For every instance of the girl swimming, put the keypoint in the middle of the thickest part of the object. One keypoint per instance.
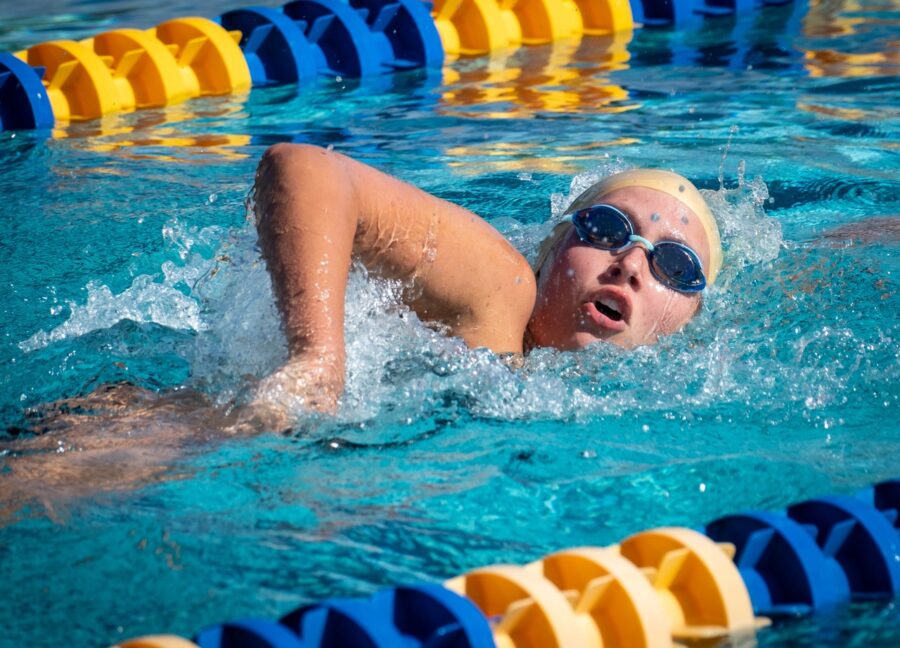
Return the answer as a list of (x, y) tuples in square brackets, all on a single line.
[(627, 265)]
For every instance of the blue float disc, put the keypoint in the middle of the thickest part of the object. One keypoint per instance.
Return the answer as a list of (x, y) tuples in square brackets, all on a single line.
[(860, 538), (24, 103), (275, 46), (784, 569)]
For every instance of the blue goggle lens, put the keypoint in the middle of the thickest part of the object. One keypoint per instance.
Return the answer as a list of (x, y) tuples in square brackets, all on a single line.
[(603, 226), (677, 266)]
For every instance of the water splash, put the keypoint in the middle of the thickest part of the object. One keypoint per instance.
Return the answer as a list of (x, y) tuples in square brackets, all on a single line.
[(163, 299), (145, 300)]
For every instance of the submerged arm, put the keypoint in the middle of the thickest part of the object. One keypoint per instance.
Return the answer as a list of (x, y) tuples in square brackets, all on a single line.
[(317, 209)]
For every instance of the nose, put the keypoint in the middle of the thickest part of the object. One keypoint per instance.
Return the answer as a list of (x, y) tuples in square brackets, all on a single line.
[(628, 266)]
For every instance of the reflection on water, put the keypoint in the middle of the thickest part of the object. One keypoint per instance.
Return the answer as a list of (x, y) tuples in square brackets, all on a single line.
[(831, 63), (560, 78), (833, 19), (151, 133), (528, 157)]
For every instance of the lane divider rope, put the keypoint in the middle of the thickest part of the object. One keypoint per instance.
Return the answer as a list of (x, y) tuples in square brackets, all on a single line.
[(662, 587), (128, 69)]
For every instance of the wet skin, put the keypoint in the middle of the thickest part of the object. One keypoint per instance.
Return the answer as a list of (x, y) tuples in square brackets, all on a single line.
[(567, 314)]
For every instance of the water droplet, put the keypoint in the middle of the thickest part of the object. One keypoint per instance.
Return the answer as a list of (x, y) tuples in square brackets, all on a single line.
[(702, 487), (645, 428)]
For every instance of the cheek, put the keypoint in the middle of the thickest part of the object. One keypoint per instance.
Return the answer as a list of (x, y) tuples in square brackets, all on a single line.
[(580, 266), (671, 310), (560, 279)]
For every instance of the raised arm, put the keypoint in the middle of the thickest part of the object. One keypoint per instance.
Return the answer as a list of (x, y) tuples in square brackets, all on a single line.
[(316, 209)]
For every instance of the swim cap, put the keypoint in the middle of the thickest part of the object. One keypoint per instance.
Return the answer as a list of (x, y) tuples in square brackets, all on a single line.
[(679, 187)]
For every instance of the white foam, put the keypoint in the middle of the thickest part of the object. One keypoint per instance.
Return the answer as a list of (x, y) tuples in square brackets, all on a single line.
[(144, 301), (163, 299)]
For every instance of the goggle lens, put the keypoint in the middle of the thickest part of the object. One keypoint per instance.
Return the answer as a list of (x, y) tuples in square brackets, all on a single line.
[(603, 226), (677, 266)]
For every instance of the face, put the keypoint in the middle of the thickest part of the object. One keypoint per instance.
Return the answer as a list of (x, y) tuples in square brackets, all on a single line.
[(585, 294)]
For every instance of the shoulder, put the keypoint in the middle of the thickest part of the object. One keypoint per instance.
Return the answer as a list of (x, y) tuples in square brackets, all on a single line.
[(506, 295)]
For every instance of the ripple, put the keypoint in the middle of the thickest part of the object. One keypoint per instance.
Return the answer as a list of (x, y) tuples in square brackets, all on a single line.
[(794, 193), (859, 87)]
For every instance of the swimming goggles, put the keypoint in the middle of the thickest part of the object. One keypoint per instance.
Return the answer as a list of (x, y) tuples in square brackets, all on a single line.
[(674, 264)]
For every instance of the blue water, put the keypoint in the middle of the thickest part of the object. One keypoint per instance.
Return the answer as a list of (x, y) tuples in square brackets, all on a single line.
[(127, 257)]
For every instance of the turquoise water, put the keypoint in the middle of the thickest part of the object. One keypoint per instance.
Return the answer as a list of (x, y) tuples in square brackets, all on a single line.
[(127, 257)]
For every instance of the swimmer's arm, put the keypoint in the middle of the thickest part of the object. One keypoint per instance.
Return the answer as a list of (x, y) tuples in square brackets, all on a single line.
[(318, 208)]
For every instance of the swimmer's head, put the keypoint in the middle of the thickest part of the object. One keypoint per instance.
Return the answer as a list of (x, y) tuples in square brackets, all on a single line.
[(586, 294)]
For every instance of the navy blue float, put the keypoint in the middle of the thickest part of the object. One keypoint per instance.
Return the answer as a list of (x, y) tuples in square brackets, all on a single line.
[(23, 100), (342, 36), (785, 572), (275, 46), (368, 36), (426, 616), (249, 633), (886, 498), (408, 30), (860, 537)]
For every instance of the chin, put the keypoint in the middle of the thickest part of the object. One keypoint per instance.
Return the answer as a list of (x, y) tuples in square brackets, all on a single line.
[(581, 340), (614, 339)]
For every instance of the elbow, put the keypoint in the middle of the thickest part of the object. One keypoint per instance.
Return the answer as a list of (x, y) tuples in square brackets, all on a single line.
[(284, 166), (289, 154), (289, 177)]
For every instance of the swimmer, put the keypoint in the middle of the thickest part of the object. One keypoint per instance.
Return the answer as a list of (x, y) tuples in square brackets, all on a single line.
[(627, 265)]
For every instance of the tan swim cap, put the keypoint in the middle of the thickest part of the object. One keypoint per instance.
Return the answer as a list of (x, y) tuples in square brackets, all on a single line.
[(673, 184)]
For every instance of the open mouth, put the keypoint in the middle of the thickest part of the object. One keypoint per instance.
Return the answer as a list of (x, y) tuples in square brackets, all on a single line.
[(610, 308)]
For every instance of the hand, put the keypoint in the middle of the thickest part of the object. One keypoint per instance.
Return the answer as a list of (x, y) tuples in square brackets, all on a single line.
[(302, 384)]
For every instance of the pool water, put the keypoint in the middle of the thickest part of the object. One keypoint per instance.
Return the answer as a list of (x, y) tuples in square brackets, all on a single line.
[(128, 258)]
